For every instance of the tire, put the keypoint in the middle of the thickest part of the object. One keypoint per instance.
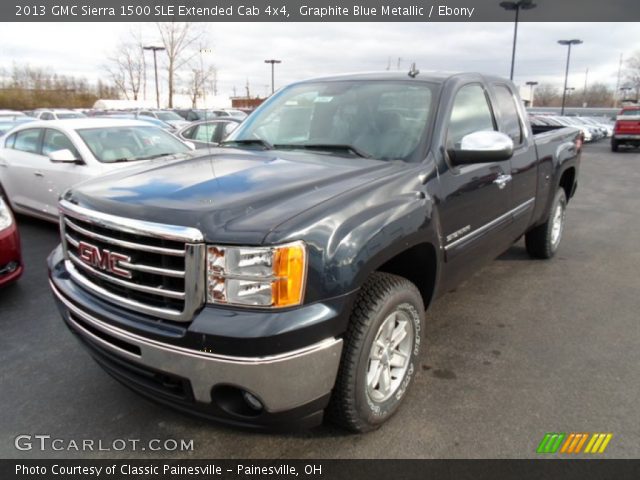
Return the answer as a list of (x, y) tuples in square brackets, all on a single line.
[(387, 304), (614, 145), (543, 241)]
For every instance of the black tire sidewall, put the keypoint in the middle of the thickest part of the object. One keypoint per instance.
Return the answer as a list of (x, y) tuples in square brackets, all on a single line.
[(371, 412)]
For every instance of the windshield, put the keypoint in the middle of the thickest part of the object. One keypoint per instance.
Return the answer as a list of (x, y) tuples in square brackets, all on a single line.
[(123, 144), (168, 116), (632, 112), (385, 120)]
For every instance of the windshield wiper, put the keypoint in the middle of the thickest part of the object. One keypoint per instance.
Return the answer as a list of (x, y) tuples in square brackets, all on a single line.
[(158, 155), (327, 146), (249, 141)]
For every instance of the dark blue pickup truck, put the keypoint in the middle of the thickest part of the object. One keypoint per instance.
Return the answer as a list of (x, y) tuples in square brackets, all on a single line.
[(285, 275)]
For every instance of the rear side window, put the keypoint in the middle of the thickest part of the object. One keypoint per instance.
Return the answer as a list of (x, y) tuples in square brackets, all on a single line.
[(506, 106), (28, 140), (471, 113)]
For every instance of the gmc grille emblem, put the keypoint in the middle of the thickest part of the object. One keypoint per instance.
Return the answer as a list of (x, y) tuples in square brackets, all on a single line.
[(103, 259)]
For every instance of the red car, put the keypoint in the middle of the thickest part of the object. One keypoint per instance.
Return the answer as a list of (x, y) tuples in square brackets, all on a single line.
[(10, 259), (627, 129)]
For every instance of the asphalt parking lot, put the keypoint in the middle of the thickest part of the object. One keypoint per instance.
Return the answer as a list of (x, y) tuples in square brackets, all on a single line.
[(522, 348)]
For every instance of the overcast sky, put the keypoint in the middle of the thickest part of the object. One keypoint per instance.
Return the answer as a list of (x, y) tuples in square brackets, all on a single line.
[(316, 49)]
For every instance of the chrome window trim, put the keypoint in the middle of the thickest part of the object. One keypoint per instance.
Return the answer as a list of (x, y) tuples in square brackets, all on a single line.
[(480, 230)]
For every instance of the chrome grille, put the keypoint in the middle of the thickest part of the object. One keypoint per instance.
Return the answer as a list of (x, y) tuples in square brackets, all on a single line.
[(161, 266)]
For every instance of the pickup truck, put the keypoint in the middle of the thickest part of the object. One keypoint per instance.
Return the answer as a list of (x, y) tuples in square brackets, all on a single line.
[(627, 128), (286, 274)]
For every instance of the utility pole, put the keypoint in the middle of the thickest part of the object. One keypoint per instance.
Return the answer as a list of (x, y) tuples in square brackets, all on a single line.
[(399, 60), (615, 95), (568, 43), (516, 6), (155, 67), (273, 63), (584, 91)]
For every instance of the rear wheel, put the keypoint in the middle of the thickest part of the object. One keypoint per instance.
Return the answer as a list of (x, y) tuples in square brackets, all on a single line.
[(380, 355), (544, 240)]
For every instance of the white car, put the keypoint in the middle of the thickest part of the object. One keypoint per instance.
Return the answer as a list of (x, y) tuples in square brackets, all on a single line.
[(40, 160), (57, 114)]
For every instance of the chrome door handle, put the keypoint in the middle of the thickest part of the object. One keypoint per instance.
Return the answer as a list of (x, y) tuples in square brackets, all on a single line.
[(38, 174), (502, 181)]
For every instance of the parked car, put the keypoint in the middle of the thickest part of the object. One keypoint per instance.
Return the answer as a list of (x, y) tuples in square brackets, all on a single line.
[(57, 114), (167, 116), (10, 258), (587, 134), (627, 128), (606, 129), (196, 114), (10, 115), (208, 133), (231, 112), (40, 160), (143, 118), (289, 272), (7, 123)]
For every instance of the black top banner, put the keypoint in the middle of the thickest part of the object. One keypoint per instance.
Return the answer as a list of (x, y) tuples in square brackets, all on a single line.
[(318, 11)]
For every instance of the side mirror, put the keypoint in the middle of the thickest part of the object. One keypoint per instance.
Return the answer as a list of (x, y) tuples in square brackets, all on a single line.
[(482, 147), (63, 156)]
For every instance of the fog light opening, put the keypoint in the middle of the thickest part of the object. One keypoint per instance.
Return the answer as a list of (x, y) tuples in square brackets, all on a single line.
[(252, 401), (236, 401)]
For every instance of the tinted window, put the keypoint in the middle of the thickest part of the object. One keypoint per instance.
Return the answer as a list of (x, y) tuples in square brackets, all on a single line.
[(46, 116), (506, 105), (27, 140), (204, 132), (55, 140), (471, 113)]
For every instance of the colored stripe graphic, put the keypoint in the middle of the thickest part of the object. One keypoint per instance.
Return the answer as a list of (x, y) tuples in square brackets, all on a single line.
[(572, 443), (550, 443), (598, 443)]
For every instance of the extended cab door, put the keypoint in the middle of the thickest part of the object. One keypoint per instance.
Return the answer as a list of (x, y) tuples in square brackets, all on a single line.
[(524, 162), (475, 199)]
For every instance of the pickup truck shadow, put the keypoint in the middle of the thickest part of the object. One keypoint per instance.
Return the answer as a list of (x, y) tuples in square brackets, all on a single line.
[(516, 252)]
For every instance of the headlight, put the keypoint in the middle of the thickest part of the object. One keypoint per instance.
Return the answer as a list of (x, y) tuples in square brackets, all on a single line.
[(256, 276), (6, 218)]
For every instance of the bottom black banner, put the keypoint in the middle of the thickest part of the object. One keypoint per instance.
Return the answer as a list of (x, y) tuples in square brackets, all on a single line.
[(321, 469)]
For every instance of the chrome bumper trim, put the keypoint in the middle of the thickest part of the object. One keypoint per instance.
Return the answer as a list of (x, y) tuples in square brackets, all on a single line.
[(282, 381)]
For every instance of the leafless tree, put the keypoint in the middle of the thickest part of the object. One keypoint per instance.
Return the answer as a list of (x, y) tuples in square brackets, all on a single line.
[(632, 73), (126, 68), (200, 78), (180, 41), (547, 95)]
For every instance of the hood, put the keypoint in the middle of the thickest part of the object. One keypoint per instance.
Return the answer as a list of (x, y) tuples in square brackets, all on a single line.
[(231, 196)]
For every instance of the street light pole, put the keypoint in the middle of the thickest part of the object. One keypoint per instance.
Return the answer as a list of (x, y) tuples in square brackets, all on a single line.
[(272, 62), (531, 85), (574, 41), (155, 67), (516, 6)]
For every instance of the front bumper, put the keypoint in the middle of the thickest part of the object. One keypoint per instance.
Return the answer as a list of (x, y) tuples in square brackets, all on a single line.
[(293, 387)]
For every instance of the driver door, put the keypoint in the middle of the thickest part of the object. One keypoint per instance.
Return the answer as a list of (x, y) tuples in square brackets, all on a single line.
[(475, 209)]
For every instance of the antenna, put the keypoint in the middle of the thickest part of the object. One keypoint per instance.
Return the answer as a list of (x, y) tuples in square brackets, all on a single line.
[(413, 72)]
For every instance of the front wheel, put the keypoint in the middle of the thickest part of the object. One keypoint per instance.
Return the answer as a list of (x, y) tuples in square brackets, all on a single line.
[(544, 240), (380, 355)]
